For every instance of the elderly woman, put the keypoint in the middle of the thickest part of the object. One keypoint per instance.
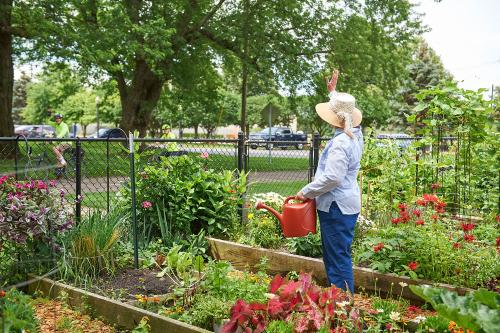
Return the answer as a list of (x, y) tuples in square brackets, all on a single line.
[(335, 187)]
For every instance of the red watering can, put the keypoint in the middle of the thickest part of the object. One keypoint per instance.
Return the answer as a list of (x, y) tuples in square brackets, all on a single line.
[(297, 219)]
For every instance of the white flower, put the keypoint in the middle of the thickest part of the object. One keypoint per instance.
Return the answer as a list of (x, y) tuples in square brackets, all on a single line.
[(342, 304), (418, 319), (395, 316), (402, 284), (379, 310)]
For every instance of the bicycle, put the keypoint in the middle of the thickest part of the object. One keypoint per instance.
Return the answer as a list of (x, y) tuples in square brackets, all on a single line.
[(38, 167)]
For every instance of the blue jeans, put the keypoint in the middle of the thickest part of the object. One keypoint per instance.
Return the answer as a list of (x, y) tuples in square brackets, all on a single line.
[(337, 232)]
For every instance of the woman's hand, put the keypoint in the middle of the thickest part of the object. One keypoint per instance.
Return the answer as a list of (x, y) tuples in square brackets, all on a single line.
[(300, 196), (332, 83)]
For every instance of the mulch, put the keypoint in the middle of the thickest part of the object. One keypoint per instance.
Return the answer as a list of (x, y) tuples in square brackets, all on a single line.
[(56, 317)]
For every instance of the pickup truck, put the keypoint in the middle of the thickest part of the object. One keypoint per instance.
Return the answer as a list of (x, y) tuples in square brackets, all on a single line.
[(279, 136)]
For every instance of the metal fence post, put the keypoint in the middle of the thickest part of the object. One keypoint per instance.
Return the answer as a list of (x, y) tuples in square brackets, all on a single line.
[(316, 143), (15, 157), (132, 190), (241, 167), (107, 172), (78, 190)]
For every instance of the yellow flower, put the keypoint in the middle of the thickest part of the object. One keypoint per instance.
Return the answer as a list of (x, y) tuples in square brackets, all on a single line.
[(250, 216)]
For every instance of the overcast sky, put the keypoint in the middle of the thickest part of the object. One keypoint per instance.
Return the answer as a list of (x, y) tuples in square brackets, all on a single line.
[(466, 35)]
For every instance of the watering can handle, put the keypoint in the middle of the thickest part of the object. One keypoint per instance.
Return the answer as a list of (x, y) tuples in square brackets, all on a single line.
[(294, 198)]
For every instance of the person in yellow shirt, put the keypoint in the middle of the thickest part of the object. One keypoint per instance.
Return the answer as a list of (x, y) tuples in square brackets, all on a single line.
[(168, 134)]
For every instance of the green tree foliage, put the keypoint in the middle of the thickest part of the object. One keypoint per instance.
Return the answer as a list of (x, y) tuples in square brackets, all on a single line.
[(19, 101), (80, 108), (53, 87), (425, 71), (142, 45)]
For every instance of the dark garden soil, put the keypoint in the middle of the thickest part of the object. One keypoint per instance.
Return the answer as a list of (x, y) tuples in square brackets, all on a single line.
[(128, 283)]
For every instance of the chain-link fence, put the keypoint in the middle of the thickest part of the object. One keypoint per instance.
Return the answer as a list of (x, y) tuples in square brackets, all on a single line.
[(97, 168)]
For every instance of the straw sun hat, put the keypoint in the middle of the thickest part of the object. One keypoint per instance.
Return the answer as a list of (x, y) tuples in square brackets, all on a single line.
[(340, 111)]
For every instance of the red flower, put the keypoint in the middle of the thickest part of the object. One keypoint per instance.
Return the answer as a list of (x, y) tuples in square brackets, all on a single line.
[(402, 207), (413, 308), (469, 238), (435, 217), (388, 327), (498, 241), (378, 247), (457, 245), (420, 222), (431, 198), (421, 202), (468, 227), (413, 265), (396, 220), (498, 218), (417, 212), (435, 186), (2, 292)]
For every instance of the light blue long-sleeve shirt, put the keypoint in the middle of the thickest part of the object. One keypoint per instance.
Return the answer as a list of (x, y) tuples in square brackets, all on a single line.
[(336, 176)]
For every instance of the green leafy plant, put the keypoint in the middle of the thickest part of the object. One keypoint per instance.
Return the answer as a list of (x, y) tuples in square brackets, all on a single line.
[(90, 248), (309, 245), (183, 190), (206, 311), (17, 314), (478, 311), (279, 326)]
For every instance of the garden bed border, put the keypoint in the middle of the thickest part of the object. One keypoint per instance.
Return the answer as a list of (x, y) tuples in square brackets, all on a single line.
[(114, 312), (365, 279)]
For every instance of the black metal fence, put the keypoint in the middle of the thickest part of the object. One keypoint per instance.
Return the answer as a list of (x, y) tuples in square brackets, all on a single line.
[(97, 168)]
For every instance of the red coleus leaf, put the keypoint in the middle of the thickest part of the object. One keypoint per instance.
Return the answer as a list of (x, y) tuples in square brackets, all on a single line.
[(290, 289), (277, 309), (276, 283), (305, 280), (241, 312), (313, 293)]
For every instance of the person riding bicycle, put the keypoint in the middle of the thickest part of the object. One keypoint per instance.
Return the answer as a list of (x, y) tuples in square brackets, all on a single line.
[(62, 131)]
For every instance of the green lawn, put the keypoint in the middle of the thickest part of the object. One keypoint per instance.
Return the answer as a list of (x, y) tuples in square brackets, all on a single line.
[(285, 188), (94, 199), (94, 162)]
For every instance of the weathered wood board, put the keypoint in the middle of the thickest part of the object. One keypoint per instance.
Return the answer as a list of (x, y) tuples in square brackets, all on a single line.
[(244, 256), (114, 312)]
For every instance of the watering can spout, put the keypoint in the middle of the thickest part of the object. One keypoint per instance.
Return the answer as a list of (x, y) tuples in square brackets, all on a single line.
[(261, 205)]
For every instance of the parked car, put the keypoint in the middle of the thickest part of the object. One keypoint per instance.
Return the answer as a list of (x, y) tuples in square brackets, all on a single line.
[(402, 140), (113, 133), (35, 131), (278, 138)]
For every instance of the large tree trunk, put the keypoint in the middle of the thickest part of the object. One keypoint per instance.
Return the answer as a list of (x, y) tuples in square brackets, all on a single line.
[(7, 149), (139, 99)]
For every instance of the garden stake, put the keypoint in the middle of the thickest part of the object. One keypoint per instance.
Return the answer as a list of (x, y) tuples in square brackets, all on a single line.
[(132, 189)]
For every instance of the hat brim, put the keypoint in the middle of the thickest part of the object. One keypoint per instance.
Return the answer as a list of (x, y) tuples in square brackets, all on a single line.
[(324, 112)]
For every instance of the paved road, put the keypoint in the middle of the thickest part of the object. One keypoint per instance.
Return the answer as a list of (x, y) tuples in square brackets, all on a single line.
[(260, 152)]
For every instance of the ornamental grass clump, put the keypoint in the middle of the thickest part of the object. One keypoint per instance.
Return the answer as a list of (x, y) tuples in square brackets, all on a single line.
[(90, 248)]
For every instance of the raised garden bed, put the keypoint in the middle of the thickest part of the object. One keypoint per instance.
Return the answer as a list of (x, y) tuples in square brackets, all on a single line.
[(120, 314), (243, 256)]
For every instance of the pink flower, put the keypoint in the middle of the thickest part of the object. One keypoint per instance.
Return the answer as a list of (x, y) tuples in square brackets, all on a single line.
[(204, 155), (146, 204), (413, 265), (52, 183)]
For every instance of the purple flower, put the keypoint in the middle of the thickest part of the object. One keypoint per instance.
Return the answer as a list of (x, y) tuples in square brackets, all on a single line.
[(10, 196), (52, 183), (146, 205), (62, 194)]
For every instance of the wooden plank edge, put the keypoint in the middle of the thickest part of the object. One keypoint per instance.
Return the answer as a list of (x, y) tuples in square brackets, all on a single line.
[(245, 256), (114, 312)]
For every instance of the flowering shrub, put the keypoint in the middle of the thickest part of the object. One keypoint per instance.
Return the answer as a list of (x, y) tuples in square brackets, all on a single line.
[(31, 211), (179, 196), (422, 242)]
